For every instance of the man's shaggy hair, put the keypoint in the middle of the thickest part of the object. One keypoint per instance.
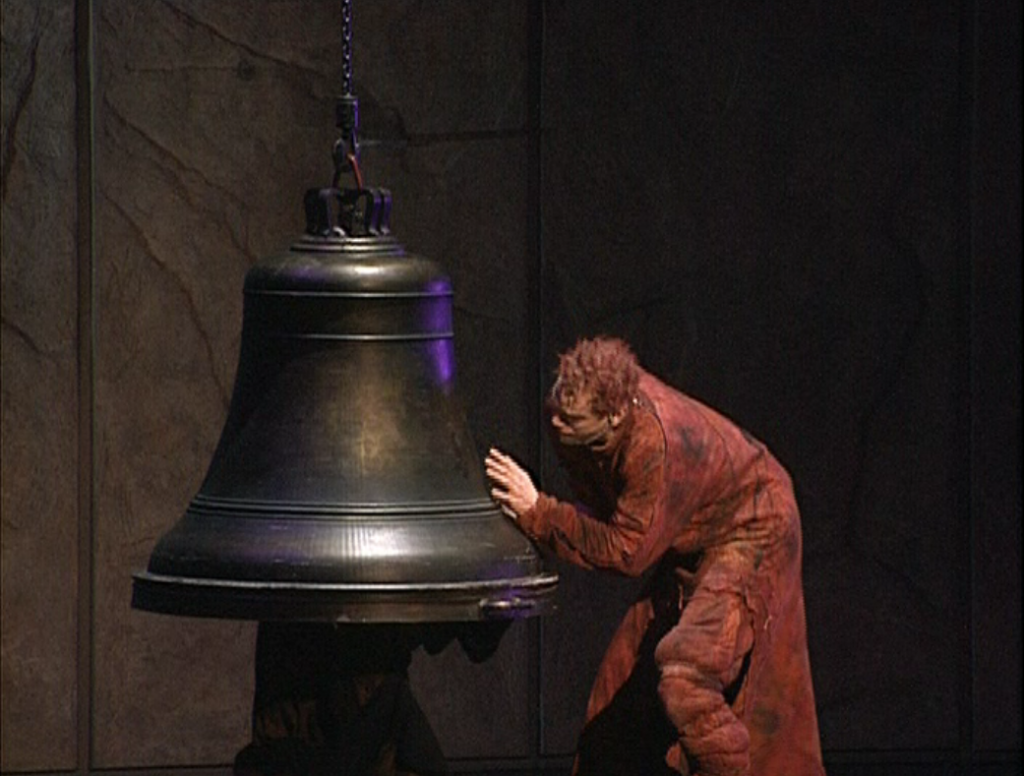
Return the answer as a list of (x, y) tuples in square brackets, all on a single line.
[(603, 367)]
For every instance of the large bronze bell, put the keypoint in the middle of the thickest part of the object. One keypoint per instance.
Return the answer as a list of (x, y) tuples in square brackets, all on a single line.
[(346, 485)]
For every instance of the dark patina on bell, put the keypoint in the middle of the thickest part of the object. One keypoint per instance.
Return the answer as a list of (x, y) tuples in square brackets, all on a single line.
[(346, 485)]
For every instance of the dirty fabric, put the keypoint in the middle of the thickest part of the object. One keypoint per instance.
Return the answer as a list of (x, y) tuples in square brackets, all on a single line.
[(716, 643)]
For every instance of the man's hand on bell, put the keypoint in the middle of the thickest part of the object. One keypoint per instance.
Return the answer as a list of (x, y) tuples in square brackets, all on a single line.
[(513, 488)]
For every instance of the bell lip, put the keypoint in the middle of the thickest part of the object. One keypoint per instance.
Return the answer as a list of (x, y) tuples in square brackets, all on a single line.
[(476, 601)]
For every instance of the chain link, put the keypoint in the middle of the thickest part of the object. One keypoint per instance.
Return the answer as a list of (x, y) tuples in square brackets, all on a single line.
[(346, 39)]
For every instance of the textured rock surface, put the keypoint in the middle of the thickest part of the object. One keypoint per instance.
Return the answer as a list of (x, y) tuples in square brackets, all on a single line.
[(40, 387)]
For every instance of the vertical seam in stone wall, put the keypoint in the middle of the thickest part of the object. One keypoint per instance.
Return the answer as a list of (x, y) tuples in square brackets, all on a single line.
[(964, 388), (535, 324), (85, 264)]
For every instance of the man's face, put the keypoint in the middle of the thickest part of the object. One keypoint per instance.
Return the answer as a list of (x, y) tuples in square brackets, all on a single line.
[(576, 423)]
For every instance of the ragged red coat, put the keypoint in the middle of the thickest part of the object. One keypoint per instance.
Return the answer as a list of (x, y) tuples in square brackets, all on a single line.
[(687, 493)]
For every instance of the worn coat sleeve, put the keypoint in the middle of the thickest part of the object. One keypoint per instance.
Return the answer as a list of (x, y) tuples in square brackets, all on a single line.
[(607, 531)]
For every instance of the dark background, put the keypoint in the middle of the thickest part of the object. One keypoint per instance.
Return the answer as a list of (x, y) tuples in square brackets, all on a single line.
[(806, 214)]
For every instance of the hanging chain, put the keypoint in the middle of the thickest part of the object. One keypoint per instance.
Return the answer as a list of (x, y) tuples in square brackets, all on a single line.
[(346, 150), (345, 212), (346, 41)]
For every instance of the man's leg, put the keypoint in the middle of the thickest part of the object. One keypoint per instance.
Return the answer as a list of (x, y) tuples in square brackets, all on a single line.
[(699, 659)]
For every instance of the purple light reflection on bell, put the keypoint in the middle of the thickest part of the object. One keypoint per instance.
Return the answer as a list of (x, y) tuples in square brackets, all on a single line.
[(437, 318), (442, 356)]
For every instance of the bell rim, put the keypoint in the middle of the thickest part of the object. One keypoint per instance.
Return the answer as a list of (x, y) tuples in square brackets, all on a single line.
[(357, 602)]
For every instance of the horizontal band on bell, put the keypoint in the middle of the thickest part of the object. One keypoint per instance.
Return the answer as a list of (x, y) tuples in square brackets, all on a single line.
[(406, 337), (313, 509), (376, 295)]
